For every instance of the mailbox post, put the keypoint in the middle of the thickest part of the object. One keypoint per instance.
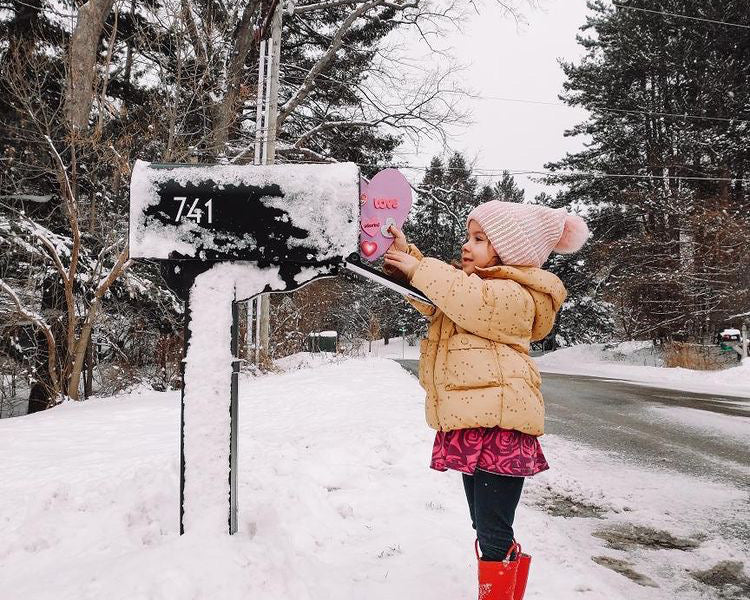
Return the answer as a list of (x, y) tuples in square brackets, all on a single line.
[(226, 233), (222, 234)]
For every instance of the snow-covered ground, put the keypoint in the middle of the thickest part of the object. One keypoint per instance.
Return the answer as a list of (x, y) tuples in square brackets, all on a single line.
[(397, 347), (626, 362), (629, 361), (336, 501)]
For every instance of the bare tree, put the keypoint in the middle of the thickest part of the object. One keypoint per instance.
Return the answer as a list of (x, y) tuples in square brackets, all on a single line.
[(26, 80)]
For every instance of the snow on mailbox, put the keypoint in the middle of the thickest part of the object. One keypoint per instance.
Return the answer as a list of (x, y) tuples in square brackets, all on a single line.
[(270, 215), (225, 233)]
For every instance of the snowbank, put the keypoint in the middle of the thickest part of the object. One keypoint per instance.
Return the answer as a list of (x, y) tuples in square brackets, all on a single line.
[(629, 361), (397, 348), (308, 360)]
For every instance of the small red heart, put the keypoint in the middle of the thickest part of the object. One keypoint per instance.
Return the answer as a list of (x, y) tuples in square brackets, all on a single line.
[(368, 248), (370, 226)]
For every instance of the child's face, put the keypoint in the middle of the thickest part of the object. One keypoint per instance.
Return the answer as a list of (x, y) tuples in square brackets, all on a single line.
[(477, 250)]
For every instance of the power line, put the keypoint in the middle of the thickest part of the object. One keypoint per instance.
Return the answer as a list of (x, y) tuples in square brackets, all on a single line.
[(666, 114), (607, 108), (594, 174), (564, 105), (481, 172), (598, 107), (496, 172), (681, 16)]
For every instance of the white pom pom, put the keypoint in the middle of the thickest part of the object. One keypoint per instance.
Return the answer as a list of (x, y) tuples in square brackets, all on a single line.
[(574, 235)]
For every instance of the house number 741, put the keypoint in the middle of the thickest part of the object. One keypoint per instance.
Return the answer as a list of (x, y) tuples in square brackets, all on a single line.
[(193, 212)]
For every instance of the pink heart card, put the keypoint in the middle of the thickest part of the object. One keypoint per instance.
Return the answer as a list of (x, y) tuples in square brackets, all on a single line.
[(384, 200)]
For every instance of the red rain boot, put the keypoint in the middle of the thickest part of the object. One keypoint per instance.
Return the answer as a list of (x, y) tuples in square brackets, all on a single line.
[(522, 575), (497, 579)]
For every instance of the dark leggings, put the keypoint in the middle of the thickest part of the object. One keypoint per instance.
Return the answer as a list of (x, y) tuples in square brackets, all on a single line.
[(492, 505)]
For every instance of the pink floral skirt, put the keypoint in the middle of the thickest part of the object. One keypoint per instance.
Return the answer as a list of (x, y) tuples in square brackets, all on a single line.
[(501, 451)]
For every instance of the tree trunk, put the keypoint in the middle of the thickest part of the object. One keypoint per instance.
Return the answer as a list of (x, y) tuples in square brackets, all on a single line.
[(227, 110), (76, 360), (84, 44), (80, 350), (42, 391), (88, 365)]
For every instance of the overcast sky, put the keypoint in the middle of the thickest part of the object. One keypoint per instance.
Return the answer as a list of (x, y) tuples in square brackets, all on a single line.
[(507, 60)]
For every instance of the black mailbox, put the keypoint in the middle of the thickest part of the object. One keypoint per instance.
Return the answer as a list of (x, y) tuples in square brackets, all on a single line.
[(294, 216), (225, 233)]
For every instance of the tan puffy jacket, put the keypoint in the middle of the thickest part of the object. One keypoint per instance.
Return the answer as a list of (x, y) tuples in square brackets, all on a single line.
[(475, 365)]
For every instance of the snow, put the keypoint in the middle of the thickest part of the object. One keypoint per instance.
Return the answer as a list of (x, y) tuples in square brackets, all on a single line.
[(336, 501), (708, 424), (208, 374), (322, 199), (594, 360), (307, 360), (305, 275), (28, 197), (397, 348), (730, 331)]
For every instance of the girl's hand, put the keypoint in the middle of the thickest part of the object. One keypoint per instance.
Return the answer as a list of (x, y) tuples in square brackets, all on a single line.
[(402, 261), (399, 243)]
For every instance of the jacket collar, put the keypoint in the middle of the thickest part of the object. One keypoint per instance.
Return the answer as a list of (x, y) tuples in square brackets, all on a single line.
[(532, 277)]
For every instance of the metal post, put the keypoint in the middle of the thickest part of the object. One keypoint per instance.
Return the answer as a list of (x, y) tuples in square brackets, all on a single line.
[(273, 98), (186, 341), (270, 153), (256, 300), (259, 110), (744, 342), (260, 157), (234, 419)]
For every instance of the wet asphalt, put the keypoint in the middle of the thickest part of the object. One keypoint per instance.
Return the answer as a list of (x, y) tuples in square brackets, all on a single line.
[(616, 417)]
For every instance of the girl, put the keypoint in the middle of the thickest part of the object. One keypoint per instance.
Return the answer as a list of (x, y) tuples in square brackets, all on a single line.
[(482, 389)]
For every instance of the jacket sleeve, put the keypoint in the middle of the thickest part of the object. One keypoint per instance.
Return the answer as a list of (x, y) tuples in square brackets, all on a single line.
[(496, 309), (425, 309)]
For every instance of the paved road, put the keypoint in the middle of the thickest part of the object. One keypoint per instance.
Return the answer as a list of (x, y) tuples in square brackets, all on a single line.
[(615, 416)]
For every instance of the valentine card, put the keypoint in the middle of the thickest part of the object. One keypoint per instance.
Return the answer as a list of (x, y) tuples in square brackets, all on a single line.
[(384, 200)]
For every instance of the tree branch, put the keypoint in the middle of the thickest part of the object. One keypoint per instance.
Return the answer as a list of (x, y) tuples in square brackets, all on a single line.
[(322, 63), (39, 321)]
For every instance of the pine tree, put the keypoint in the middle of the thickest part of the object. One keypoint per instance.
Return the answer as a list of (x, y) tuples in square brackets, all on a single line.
[(424, 219), (446, 196), (508, 190), (665, 243), (486, 193)]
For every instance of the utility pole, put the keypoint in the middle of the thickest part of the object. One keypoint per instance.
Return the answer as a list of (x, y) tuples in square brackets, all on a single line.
[(265, 153), (253, 306), (272, 109), (273, 104)]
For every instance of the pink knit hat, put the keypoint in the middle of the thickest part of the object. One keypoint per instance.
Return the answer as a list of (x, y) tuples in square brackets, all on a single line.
[(526, 234)]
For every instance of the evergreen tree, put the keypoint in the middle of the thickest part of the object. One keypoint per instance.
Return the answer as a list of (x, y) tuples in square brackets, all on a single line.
[(445, 198), (486, 193), (663, 93), (508, 190), (424, 218)]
